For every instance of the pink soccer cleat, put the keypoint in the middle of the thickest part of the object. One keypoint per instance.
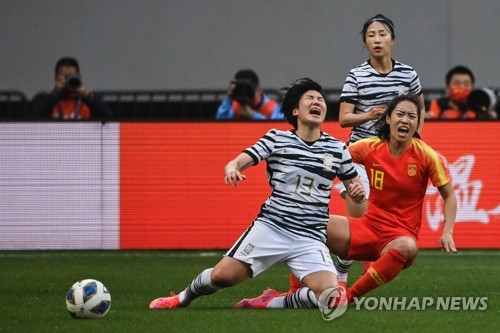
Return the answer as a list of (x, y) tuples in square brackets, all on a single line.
[(341, 299), (171, 302), (259, 302)]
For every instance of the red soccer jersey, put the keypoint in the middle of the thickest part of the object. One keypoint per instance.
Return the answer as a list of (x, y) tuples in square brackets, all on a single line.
[(398, 184)]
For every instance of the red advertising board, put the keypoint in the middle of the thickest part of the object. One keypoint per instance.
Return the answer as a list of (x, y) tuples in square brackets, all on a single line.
[(173, 196)]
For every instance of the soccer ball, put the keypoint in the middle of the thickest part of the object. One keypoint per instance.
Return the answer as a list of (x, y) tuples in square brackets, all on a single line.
[(88, 299)]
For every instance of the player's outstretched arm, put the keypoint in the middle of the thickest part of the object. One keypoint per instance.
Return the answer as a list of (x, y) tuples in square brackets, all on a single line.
[(450, 212), (233, 169)]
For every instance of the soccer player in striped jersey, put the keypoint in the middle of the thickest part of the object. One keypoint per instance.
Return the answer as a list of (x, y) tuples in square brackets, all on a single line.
[(399, 167), (367, 90), (291, 226)]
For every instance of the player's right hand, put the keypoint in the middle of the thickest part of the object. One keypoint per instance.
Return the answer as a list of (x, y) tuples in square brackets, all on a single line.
[(232, 178), (377, 111)]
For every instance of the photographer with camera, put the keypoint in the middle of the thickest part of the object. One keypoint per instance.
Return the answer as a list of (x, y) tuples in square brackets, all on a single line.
[(462, 101), (246, 100), (70, 99)]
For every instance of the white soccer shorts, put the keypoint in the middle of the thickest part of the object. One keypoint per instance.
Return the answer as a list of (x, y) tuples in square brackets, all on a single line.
[(263, 245)]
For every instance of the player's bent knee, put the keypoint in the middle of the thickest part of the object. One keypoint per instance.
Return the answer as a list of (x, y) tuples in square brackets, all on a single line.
[(405, 245), (320, 281), (408, 247)]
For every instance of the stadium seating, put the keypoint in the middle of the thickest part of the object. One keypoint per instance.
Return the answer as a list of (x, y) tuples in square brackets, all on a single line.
[(13, 105)]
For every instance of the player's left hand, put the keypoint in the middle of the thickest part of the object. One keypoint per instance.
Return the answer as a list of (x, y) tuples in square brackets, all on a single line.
[(357, 192), (447, 243)]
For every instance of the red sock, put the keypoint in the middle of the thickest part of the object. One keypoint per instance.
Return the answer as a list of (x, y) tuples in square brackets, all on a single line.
[(294, 284), (383, 270)]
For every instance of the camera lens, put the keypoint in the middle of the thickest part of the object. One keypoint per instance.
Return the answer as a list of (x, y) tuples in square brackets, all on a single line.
[(481, 100), (73, 81), (243, 93)]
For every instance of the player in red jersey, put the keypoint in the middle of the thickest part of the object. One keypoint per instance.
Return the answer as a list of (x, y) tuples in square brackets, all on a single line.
[(399, 166)]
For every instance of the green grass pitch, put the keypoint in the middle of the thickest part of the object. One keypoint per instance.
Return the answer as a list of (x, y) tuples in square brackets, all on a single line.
[(34, 285)]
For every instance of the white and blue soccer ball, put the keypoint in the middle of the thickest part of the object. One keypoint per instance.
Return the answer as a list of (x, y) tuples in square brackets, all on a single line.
[(88, 299)]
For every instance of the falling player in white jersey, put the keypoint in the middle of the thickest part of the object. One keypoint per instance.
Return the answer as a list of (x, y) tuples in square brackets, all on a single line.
[(291, 226)]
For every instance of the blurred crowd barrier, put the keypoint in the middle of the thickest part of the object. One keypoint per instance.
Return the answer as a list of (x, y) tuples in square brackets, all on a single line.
[(184, 105)]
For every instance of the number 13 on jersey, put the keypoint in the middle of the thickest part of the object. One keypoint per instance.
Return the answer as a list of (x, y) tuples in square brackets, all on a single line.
[(306, 183)]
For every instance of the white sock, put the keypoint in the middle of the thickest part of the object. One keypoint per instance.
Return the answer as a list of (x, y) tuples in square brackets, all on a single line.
[(342, 267)]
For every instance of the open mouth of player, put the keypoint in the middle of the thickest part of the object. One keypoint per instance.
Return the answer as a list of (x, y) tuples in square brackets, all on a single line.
[(315, 112), (403, 130)]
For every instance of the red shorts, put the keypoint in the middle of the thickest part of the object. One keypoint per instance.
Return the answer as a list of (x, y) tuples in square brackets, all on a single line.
[(367, 241)]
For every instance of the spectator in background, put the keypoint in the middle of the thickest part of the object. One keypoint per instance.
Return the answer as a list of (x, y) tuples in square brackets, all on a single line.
[(455, 105), (246, 99), (70, 99)]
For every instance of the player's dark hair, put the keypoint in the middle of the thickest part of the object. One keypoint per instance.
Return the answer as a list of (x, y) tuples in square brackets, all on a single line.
[(294, 93), (459, 70), (67, 62), (384, 131), (379, 18)]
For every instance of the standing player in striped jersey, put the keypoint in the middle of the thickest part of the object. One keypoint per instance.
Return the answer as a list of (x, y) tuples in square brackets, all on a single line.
[(291, 226), (366, 92)]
